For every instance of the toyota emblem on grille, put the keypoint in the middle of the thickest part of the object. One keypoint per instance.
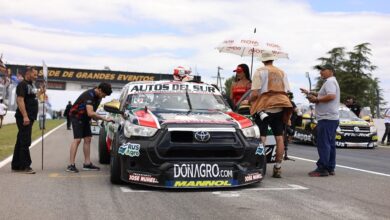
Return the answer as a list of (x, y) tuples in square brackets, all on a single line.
[(202, 136), (356, 129)]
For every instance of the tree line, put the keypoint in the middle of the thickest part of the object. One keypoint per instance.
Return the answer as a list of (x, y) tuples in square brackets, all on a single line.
[(353, 71)]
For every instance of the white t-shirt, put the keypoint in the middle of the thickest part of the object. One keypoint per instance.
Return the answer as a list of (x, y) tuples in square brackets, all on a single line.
[(3, 107), (387, 115)]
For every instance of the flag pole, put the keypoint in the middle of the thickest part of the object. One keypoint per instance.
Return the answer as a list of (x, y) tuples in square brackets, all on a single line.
[(253, 50), (43, 119)]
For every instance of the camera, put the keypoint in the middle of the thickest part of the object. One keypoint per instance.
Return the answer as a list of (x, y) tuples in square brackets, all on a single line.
[(261, 115), (290, 131)]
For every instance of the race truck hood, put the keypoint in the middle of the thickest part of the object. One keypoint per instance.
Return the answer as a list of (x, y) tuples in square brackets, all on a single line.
[(155, 118), (353, 123)]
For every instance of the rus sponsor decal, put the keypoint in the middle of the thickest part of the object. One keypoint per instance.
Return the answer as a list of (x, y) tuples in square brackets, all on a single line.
[(200, 171), (260, 150), (129, 149), (253, 177), (144, 178), (202, 183)]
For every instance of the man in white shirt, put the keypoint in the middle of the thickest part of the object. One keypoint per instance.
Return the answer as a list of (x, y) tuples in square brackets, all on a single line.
[(387, 125), (3, 111)]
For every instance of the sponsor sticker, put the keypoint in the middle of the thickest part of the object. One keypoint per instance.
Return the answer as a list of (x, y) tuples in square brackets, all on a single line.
[(129, 149), (303, 137), (202, 170), (260, 150), (143, 178), (356, 135), (172, 87), (202, 183), (253, 177)]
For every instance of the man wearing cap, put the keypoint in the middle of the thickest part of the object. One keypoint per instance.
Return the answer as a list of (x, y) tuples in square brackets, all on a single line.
[(327, 102), (269, 96), (83, 109)]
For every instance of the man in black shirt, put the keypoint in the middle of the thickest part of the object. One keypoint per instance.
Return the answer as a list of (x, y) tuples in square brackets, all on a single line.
[(351, 104), (25, 115), (66, 114), (80, 114)]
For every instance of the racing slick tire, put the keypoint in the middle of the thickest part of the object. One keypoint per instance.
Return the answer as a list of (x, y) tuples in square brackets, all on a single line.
[(104, 154), (115, 169)]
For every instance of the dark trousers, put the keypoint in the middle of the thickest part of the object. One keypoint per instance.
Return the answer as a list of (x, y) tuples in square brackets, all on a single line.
[(68, 122), (326, 144), (21, 158), (387, 133)]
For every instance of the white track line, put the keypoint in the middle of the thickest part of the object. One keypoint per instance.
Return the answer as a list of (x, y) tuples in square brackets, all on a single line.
[(292, 187), (346, 167), (8, 159)]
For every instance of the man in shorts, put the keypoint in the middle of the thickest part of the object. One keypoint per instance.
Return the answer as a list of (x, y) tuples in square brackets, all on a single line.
[(269, 101), (83, 109)]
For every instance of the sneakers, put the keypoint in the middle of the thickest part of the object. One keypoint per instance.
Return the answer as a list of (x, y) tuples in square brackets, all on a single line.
[(90, 167), (277, 172), (319, 173), (72, 168), (331, 172)]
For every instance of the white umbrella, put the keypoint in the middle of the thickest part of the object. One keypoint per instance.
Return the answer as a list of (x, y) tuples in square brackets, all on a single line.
[(250, 45)]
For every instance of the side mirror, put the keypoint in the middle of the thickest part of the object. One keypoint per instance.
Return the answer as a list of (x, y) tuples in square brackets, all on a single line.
[(244, 110), (113, 107)]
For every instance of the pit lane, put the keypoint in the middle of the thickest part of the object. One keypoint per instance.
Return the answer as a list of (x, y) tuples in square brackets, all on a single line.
[(55, 194)]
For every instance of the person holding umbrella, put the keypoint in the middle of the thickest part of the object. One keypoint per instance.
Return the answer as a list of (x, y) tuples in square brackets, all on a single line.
[(241, 83), (271, 105)]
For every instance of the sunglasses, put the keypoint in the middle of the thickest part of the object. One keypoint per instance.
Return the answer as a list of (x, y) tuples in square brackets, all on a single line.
[(239, 70)]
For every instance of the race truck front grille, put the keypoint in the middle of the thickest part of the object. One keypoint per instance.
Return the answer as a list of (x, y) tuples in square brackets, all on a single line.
[(357, 139), (351, 129), (222, 143), (215, 137)]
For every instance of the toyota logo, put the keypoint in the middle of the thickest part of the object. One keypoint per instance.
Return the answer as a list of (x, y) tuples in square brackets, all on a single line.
[(202, 136), (356, 129)]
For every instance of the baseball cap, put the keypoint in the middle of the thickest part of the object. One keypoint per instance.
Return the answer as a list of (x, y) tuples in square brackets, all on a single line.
[(266, 56), (326, 67)]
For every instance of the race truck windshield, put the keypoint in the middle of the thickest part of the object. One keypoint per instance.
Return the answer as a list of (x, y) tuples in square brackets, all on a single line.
[(178, 101), (346, 114)]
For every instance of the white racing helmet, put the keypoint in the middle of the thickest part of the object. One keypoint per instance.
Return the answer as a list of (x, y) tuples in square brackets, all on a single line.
[(181, 73)]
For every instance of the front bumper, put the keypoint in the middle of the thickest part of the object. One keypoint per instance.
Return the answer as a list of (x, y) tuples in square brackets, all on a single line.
[(203, 175), (166, 161), (358, 140)]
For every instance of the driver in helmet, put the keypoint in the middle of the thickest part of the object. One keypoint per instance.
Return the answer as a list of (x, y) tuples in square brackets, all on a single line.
[(182, 74)]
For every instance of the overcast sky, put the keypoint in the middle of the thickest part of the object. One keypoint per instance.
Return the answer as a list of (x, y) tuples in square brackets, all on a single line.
[(156, 36)]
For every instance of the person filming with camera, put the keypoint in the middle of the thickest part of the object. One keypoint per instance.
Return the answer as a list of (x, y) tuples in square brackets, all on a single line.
[(271, 105)]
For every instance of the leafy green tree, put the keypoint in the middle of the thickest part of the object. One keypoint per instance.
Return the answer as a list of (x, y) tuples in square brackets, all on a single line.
[(354, 75)]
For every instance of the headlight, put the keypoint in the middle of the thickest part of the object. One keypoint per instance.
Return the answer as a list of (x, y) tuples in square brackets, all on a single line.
[(372, 129), (338, 130), (251, 132), (136, 130)]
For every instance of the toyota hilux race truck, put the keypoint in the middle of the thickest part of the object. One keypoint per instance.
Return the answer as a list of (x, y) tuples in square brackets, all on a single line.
[(351, 132), (178, 134)]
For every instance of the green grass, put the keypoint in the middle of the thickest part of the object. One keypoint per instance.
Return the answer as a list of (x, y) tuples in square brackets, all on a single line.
[(9, 132)]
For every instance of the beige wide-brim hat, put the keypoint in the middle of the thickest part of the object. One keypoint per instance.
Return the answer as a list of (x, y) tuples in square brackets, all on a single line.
[(266, 56)]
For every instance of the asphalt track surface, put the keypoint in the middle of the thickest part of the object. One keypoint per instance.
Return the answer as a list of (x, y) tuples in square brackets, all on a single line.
[(359, 190)]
